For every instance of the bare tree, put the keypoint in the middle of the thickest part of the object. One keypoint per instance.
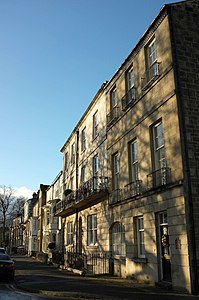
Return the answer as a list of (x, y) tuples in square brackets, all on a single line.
[(6, 205), (18, 205)]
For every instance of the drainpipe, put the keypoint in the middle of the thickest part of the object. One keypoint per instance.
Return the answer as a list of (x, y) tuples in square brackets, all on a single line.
[(186, 168), (77, 185)]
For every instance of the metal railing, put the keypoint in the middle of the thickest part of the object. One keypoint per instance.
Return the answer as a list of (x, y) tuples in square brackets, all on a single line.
[(129, 98), (151, 74), (112, 116), (94, 263), (94, 185), (115, 196), (159, 177), (133, 189)]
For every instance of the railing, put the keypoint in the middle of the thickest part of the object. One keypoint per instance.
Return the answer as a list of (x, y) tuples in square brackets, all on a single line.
[(115, 196), (112, 116), (133, 189), (159, 177), (93, 186), (151, 74), (95, 263), (130, 190), (129, 99)]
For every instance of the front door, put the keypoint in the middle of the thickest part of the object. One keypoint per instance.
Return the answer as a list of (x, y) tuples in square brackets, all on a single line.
[(164, 248)]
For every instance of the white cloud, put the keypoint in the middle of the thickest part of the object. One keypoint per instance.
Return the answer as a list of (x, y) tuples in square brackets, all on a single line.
[(23, 191)]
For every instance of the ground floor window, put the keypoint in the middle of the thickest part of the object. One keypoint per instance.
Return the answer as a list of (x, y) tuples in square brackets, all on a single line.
[(118, 239), (69, 233), (92, 230), (139, 236)]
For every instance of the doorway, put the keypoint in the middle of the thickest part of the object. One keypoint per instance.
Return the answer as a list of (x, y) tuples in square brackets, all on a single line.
[(164, 247)]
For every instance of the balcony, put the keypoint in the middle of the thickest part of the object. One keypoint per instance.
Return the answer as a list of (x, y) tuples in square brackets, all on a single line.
[(133, 189), (159, 178), (112, 116), (130, 190), (89, 193), (151, 74), (129, 99)]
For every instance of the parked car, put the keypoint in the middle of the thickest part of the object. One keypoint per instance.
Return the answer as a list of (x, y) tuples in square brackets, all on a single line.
[(2, 250), (7, 266)]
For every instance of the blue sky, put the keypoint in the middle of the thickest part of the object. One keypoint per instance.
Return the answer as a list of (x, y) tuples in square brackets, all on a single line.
[(54, 56)]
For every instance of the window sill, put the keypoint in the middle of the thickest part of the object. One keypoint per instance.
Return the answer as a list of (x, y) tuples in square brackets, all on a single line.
[(139, 260), (92, 246), (119, 257)]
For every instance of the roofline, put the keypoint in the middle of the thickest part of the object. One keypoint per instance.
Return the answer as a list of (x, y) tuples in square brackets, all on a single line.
[(99, 92)]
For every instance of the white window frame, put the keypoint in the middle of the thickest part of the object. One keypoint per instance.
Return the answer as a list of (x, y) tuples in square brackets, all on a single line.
[(115, 171), (95, 125), (151, 52), (83, 174), (95, 170), (83, 139), (159, 159), (118, 239), (73, 153), (133, 153), (92, 230), (140, 236), (69, 239), (130, 79), (113, 98), (66, 161)]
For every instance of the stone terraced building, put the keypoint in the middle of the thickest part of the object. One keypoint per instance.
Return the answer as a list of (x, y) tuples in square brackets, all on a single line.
[(127, 200)]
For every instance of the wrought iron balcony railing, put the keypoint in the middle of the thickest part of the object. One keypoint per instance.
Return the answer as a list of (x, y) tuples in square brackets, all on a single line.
[(159, 177), (129, 99), (151, 74), (133, 189), (130, 190), (89, 191), (112, 116)]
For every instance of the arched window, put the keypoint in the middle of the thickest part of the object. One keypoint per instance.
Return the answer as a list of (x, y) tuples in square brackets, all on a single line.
[(118, 239)]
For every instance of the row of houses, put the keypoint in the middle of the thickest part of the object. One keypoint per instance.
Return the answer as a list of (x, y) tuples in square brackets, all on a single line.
[(126, 201)]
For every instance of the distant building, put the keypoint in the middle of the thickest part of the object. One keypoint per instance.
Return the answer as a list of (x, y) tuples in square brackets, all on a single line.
[(28, 211)]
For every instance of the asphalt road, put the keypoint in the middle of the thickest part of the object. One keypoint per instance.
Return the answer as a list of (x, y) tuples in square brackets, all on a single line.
[(48, 281)]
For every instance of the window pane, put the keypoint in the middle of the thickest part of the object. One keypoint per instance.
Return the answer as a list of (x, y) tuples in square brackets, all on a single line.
[(92, 229), (113, 98), (130, 79)]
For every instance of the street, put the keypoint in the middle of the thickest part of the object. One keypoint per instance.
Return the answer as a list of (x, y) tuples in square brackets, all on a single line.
[(36, 280)]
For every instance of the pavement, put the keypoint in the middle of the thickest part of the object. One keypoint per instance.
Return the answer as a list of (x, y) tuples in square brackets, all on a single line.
[(37, 277)]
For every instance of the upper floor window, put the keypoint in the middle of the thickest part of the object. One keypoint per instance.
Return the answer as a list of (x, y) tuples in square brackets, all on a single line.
[(130, 83), (133, 156), (83, 174), (115, 171), (151, 60), (83, 139), (69, 233), (95, 125), (72, 183), (66, 161), (95, 170), (92, 230), (113, 98), (158, 147), (73, 153)]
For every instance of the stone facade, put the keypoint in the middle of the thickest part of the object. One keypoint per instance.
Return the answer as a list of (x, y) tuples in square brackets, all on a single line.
[(146, 220), (126, 201)]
